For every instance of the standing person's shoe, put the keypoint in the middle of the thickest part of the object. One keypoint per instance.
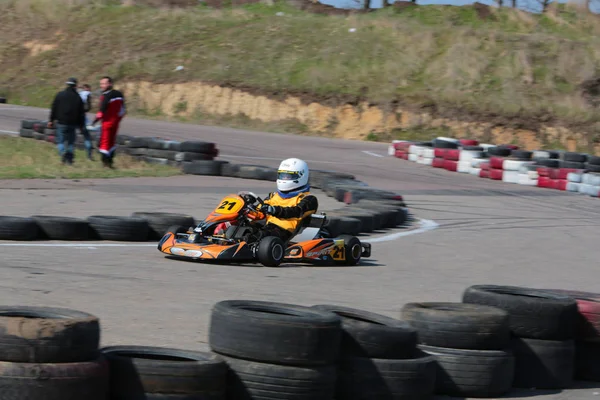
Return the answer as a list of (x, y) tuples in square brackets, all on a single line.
[(69, 158), (90, 156)]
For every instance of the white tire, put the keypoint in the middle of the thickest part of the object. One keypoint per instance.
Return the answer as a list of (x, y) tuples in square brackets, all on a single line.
[(475, 171), (510, 176), (469, 155), (476, 162), (413, 157), (514, 165), (573, 187), (574, 177), (428, 152), (464, 167), (525, 180)]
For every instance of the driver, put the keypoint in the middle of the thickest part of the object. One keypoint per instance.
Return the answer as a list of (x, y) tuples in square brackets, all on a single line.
[(292, 202)]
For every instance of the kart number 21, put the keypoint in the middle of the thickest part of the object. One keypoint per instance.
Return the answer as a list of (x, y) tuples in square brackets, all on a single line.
[(229, 206)]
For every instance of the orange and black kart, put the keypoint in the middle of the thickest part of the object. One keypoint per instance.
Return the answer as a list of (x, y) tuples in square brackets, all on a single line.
[(310, 243)]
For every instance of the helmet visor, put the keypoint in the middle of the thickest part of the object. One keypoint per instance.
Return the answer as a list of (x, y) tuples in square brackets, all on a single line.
[(288, 175)]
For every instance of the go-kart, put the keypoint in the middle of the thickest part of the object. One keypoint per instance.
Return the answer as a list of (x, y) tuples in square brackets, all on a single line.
[(309, 243)]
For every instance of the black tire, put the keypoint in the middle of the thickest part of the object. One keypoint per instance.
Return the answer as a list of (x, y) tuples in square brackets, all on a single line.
[(117, 228), (137, 151), (18, 228), (521, 154), (353, 250), (39, 136), (39, 127), (571, 164), (271, 251), (140, 142), (26, 133), (158, 153), (159, 222), (183, 156), (592, 167), (62, 228), (392, 216), (472, 148), (28, 123), (443, 144), (124, 140), (366, 219), (534, 314), (249, 380), (199, 167), (318, 177), (543, 364), (384, 379), (549, 162), (378, 217), (593, 160), (275, 333), (2, 100), (472, 373), (47, 335), (499, 151), (370, 335), (230, 170), (587, 367), (138, 371), (459, 325), (65, 381), (157, 144), (574, 157), (197, 147), (256, 172), (158, 161), (337, 226)]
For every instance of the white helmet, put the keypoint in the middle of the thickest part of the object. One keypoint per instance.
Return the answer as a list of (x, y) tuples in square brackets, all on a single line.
[(292, 174)]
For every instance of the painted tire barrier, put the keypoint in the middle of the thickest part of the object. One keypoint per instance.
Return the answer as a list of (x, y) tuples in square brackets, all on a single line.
[(558, 170), (479, 348)]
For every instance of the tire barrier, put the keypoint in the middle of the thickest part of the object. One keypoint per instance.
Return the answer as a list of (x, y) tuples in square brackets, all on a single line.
[(496, 339), (566, 171)]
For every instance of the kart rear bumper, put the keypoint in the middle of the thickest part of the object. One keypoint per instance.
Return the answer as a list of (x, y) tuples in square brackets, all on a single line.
[(366, 250)]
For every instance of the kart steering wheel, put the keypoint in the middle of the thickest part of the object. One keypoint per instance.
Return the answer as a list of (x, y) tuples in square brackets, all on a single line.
[(250, 199)]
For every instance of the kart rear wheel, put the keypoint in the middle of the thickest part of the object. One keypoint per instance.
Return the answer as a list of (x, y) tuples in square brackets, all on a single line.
[(271, 251), (353, 250)]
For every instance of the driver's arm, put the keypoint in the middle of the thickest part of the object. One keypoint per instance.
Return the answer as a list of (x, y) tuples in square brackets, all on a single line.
[(307, 206)]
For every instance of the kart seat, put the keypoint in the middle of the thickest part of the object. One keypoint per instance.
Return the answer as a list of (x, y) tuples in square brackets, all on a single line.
[(309, 228)]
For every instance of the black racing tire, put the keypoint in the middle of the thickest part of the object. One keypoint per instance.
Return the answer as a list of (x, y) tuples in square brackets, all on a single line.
[(39, 127), (39, 136), (571, 164), (256, 172), (28, 123), (138, 372), (318, 177), (118, 228), (140, 142), (123, 140), (197, 147), (366, 219), (62, 228), (392, 216), (271, 251), (137, 151), (371, 335), (444, 144), (337, 226), (591, 167), (56, 381), (587, 367), (18, 228), (251, 380), (378, 217), (159, 153), (157, 144), (200, 167), (459, 325), (472, 373), (543, 364), (159, 222), (534, 314), (275, 333), (593, 160), (472, 148), (521, 154), (377, 379), (230, 170), (574, 157), (499, 151), (47, 335), (26, 133), (548, 162), (353, 250), (158, 161), (186, 156)]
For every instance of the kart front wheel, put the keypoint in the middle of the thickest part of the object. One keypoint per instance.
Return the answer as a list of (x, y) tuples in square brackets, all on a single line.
[(353, 249), (270, 251)]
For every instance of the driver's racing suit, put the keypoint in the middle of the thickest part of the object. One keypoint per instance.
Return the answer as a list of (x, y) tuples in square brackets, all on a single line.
[(112, 110), (290, 209)]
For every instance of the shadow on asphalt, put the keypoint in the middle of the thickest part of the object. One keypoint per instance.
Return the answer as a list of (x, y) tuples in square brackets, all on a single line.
[(363, 263)]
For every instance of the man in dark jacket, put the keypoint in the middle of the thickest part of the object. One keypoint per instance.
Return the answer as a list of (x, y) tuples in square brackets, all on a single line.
[(69, 113)]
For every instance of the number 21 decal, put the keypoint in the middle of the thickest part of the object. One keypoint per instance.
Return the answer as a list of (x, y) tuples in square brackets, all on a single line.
[(227, 204)]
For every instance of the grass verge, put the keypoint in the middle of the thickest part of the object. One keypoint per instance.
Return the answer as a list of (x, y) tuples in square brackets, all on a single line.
[(509, 64), (22, 158)]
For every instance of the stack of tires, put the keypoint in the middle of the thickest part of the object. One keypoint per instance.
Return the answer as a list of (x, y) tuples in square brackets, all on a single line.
[(275, 350), (139, 372), (379, 358), (542, 325), (470, 344), (51, 354)]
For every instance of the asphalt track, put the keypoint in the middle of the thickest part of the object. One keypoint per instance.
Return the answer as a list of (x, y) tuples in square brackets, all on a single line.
[(489, 232)]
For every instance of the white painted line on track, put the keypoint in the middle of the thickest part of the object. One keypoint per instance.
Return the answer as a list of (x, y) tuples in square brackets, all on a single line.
[(372, 154), (9, 132), (9, 108), (425, 225), (85, 245)]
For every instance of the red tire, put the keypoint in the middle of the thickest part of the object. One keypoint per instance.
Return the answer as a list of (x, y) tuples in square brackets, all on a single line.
[(543, 171), (496, 162), (402, 145), (485, 166), (468, 142), (563, 172), (438, 162), (484, 173), (496, 174), (50, 138), (588, 325), (510, 146), (561, 184), (441, 153), (399, 153), (543, 182), (451, 165), (452, 154), (553, 173)]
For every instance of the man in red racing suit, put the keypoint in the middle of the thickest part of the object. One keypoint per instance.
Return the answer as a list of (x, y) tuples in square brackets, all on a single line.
[(112, 110)]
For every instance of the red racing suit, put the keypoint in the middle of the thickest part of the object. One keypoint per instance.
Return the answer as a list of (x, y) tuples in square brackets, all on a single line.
[(112, 110)]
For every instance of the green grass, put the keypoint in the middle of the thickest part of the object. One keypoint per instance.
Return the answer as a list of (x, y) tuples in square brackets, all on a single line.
[(22, 158), (513, 65)]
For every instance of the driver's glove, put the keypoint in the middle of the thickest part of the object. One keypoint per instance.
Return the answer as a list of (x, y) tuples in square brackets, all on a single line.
[(267, 209)]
